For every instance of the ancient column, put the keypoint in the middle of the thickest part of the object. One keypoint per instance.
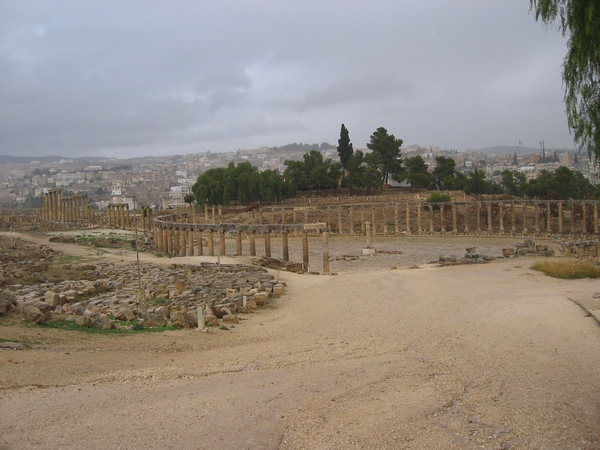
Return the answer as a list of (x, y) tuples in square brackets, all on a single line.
[(478, 231), (190, 242), (222, 247), (408, 231), (325, 253), (294, 216), (272, 215), (548, 216), (431, 230), (560, 217), (176, 242), (466, 227), (252, 237), (596, 217), (368, 232), (199, 244), (211, 243), (442, 219), (329, 227), (282, 216), (128, 223), (238, 243), (213, 214), (501, 207), (396, 224), (536, 212), (385, 223), (454, 228), (524, 218), (150, 223), (165, 238), (583, 218), (220, 213), (205, 213), (170, 241), (305, 250), (340, 228), (362, 219), (351, 220), (572, 217), (489, 218), (374, 227), (268, 243), (419, 226), (284, 242)]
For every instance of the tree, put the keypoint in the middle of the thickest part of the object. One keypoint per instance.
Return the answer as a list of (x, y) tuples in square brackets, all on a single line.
[(444, 173), (344, 148), (579, 21), (476, 183), (513, 183), (515, 160), (356, 171), (189, 198), (417, 173), (386, 149), (313, 172)]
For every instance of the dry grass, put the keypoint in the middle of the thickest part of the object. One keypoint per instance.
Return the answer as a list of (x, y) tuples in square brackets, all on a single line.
[(570, 269)]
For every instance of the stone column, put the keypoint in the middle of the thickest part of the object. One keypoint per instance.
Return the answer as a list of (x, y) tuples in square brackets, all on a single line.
[(252, 237), (325, 253), (128, 223), (408, 231), (374, 227), (501, 207), (213, 214), (442, 219), (305, 250), (272, 215), (205, 213), (150, 223), (294, 216), (536, 212), (362, 219), (419, 226), (183, 243), (282, 216), (572, 217), (560, 217), (222, 246), (190, 242), (466, 227), (431, 229), (211, 243), (596, 217), (454, 228), (489, 218), (170, 241), (199, 244), (384, 217), (478, 231), (351, 220), (220, 213), (238, 243), (268, 243), (548, 216), (340, 228), (176, 243), (285, 245), (525, 218), (396, 224), (583, 218), (368, 232)]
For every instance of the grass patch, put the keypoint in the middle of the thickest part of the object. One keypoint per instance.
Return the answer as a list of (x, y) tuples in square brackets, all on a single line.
[(136, 327), (568, 269)]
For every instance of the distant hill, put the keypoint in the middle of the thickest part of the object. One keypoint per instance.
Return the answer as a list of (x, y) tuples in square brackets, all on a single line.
[(8, 159)]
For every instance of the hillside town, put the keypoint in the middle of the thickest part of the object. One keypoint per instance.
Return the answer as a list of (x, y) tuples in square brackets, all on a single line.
[(163, 182)]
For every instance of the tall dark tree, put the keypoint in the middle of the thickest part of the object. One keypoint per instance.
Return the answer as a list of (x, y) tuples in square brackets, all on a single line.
[(344, 148), (444, 173), (417, 173), (515, 160), (579, 22), (386, 150)]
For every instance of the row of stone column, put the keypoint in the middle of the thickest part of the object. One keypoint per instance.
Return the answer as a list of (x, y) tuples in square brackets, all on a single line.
[(175, 241), (118, 215), (65, 209), (146, 213), (408, 218)]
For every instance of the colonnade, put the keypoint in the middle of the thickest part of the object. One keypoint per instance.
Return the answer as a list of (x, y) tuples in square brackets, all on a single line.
[(66, 209), (519, 217), (207, 239), (118, 215)]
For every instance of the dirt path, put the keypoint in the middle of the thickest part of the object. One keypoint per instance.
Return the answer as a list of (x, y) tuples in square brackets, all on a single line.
[(490, 356)]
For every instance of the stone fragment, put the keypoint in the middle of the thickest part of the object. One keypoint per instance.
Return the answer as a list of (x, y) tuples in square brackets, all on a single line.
[(155, 320), (83, 321), (231, 318), (33, 315), (210, 320), (52, 298), (125, 314)]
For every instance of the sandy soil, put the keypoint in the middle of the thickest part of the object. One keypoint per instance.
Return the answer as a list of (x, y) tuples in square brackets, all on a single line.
[(490, 356)]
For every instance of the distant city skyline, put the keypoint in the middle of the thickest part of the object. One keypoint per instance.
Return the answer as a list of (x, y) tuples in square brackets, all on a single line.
[(146, 78)]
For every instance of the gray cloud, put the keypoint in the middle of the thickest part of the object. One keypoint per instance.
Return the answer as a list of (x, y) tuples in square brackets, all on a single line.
[(151, 77)]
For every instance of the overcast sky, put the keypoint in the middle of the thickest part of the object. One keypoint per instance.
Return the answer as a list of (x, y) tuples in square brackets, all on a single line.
[(149, 77)]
